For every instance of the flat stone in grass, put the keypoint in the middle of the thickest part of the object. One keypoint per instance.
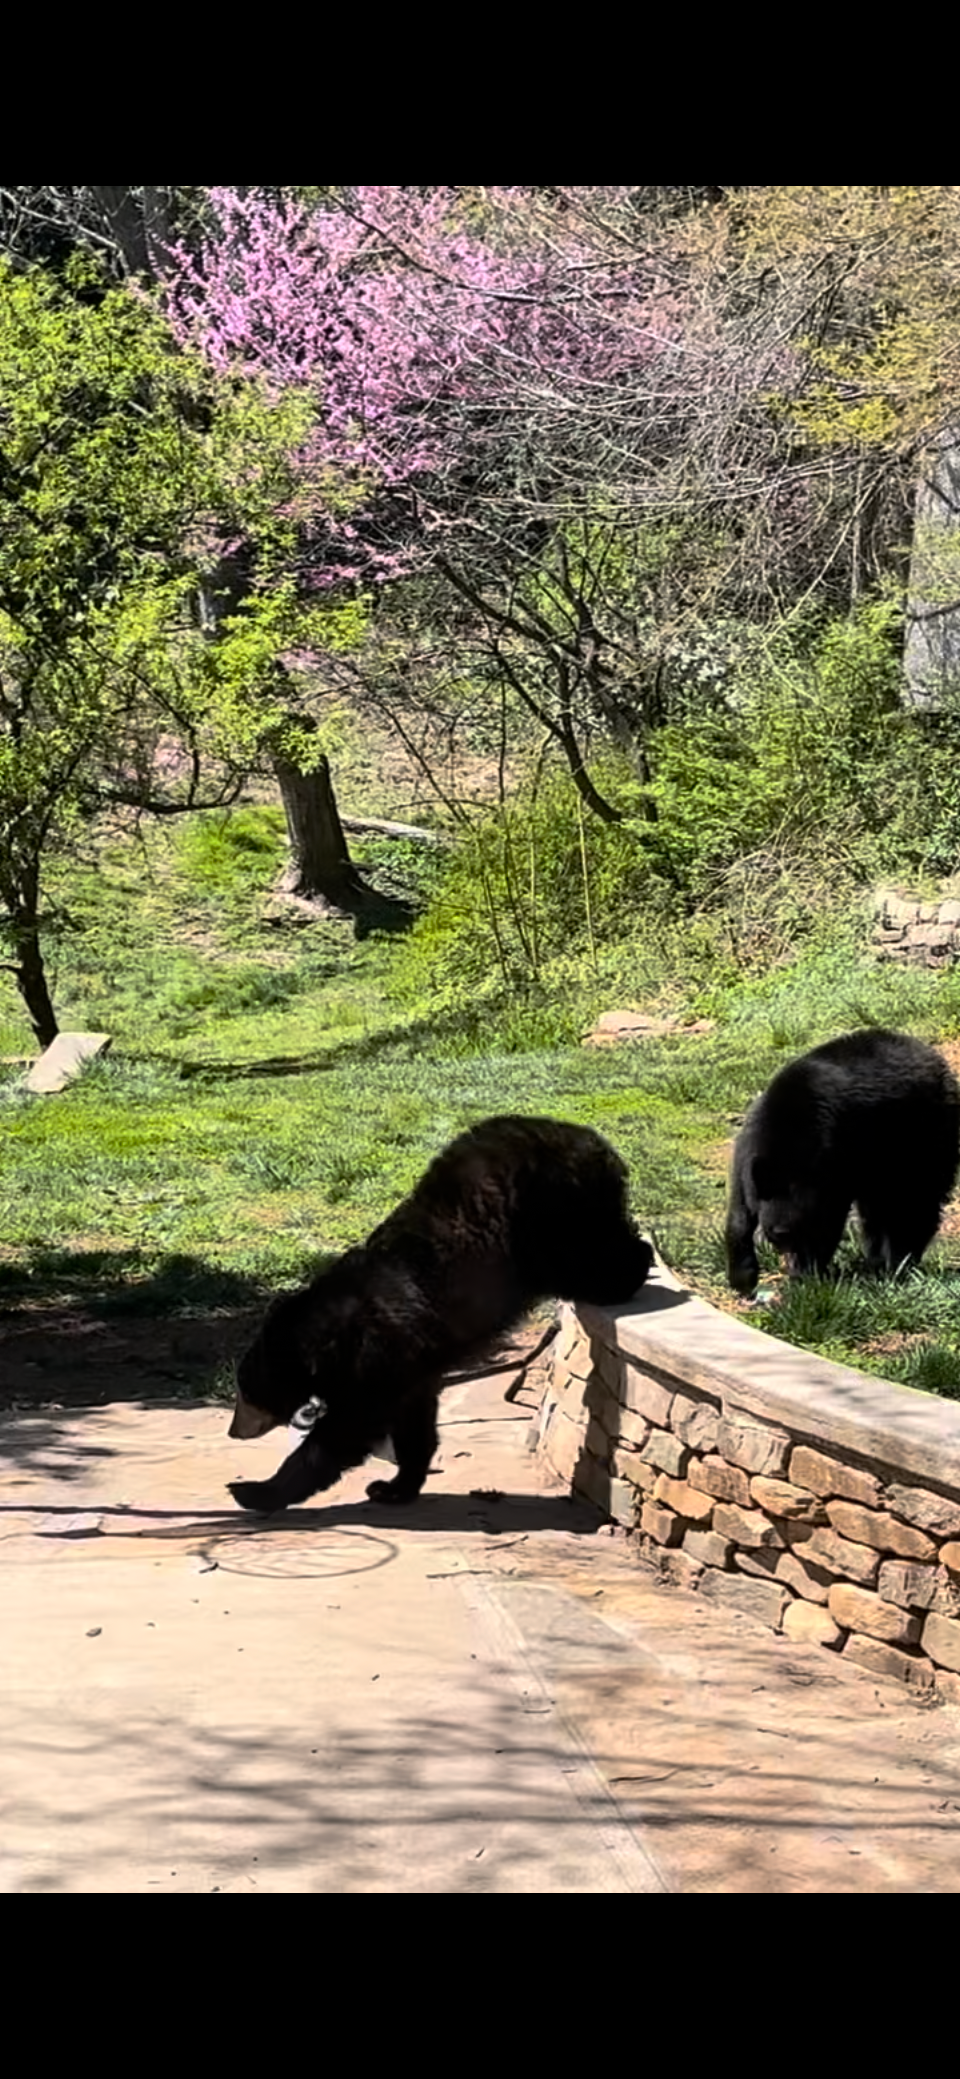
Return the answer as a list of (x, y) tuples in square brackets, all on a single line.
[(613, 1026), (64, 1059)]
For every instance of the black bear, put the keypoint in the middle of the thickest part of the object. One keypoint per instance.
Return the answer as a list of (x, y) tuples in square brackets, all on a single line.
[(871, 1119), (512, 1211)]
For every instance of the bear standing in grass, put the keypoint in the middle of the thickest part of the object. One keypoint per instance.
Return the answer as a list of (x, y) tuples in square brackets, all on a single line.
[(513, 1211), (872, 1120)]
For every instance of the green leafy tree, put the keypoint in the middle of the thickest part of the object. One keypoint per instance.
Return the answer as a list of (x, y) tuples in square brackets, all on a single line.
[(123, 472)]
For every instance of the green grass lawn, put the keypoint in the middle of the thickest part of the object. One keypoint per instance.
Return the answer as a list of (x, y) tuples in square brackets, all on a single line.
[(269, 1096)]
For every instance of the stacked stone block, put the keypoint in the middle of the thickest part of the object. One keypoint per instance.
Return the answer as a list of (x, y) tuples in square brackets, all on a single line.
[(848, 1555), (924, 934)]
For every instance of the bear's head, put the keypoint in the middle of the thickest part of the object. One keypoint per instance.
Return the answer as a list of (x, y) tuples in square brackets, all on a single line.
[(789, 1210), (300, 1355)]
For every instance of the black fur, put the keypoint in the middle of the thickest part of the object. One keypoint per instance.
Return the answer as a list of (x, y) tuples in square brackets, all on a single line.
[(512, 1211), (871, 1119)]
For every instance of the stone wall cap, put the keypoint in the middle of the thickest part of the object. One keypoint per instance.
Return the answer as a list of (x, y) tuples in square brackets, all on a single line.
[(830, 1404)]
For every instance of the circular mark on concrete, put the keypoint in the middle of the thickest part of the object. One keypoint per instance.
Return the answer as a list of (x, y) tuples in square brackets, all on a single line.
[(310, 1555)]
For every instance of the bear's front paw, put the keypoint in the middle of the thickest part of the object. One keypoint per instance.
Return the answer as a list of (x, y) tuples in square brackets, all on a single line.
[(255, 1494)]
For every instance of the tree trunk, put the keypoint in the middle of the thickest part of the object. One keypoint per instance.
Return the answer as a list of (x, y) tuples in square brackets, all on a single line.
[(31, 980), (582, 781), (932, 647), (321, 868), (138, 222), (574, 756), (123, 219), (27, 966)]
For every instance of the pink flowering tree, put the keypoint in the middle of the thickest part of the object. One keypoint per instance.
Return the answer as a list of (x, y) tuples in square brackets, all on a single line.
[(517, 400), (439, 341)]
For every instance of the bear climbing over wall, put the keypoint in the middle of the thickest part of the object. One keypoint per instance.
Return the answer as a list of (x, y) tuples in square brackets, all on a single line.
[(513, 1211), (871, 1119)]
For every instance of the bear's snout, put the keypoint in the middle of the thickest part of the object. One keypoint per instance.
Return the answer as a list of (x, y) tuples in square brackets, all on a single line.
[(250, 1421)]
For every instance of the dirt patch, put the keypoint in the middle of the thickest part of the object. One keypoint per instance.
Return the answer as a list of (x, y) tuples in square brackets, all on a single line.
[(892, 1344)]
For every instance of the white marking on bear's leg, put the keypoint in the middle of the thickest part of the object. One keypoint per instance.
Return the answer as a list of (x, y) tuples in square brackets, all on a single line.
[(305, 1419)]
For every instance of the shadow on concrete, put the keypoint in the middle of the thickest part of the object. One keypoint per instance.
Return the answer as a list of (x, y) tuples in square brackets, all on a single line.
[(431, 1801), (443, 1514), (41, 1446), (463, 1796)]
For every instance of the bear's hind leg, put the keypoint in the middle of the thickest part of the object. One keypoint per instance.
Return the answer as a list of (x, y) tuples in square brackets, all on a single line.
[(414, 1439), (895, 1235)]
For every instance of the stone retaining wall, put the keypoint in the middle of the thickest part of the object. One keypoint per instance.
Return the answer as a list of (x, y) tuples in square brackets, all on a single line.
[(819, 1500), (926, 934)]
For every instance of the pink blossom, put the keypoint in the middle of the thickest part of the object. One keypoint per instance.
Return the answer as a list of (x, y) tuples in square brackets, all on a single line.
[(430, 339)]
